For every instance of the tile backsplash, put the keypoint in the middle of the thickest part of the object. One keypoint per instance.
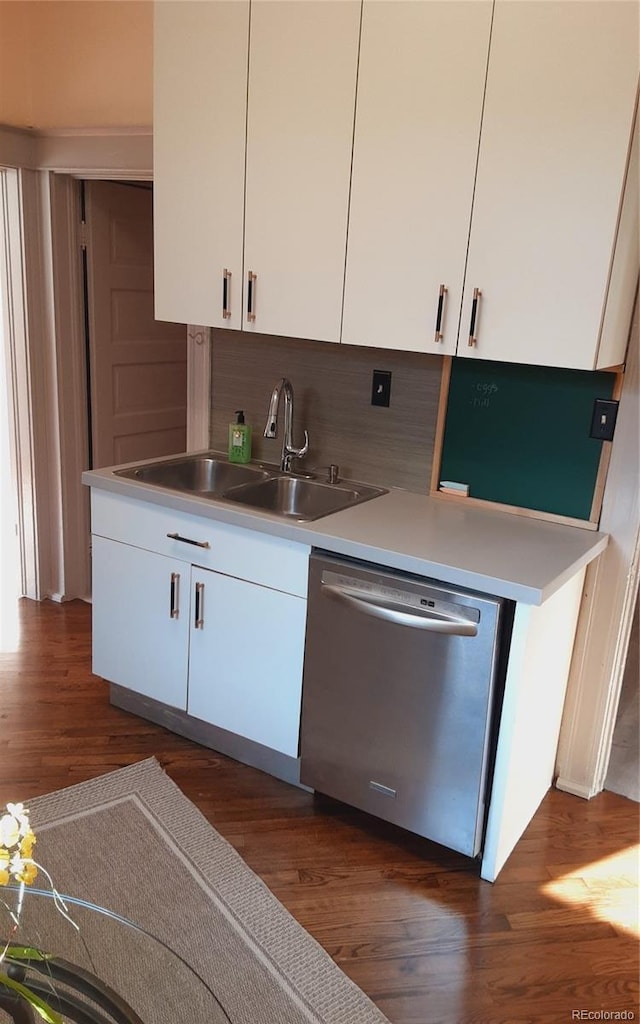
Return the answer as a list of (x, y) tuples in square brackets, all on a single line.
[(390, 446)]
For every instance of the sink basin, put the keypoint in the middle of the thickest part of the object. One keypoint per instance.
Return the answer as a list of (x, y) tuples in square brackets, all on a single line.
[(196, 474), (253, 486), (301, 499)]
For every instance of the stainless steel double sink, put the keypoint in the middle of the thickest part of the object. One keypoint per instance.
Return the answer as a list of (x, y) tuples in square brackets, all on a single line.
[(257, 486)]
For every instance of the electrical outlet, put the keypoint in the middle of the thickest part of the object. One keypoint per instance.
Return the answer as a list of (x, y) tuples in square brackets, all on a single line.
[(603, 420), (381, 387)]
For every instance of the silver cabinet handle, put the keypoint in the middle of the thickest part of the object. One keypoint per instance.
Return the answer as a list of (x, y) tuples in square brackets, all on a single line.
[(451, 626), (441, 300), (226, 294), (174, 599), (251, 295), (187, 540), (477, 295), (199, 613)]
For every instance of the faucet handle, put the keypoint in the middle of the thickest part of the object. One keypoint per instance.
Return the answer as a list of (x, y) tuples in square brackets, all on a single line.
[(299, 453), (289, 453), (305, 448)]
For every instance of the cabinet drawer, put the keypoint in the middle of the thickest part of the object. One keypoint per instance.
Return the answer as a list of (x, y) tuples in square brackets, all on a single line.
[(233, 550)]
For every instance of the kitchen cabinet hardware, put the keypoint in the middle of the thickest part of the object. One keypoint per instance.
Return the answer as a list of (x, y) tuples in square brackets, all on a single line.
[(441, 300), (174, 610), (226, 294), (199, 609), (251, 295), (477, 295), (188, 540)]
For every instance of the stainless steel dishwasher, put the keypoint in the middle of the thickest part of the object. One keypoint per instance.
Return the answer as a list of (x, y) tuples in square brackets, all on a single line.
[(400, 679)]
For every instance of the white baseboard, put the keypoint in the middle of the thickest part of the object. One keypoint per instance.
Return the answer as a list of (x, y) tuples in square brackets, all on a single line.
[(575, 788)]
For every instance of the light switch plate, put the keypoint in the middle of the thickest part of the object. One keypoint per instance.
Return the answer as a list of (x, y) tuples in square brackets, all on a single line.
[(603, 420), (381, 387)]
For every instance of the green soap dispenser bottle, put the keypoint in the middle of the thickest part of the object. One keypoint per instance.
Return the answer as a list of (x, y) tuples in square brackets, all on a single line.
[(239, 439)]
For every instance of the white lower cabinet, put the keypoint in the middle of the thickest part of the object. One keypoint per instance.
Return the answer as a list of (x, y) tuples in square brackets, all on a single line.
[(245, 666), (137, 642), (224, 644)]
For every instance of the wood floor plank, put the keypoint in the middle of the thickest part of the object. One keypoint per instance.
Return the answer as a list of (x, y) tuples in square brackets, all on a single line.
[(408, 921)]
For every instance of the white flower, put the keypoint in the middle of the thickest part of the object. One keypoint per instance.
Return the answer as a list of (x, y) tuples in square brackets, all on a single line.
[(9, 830), (21, 814)]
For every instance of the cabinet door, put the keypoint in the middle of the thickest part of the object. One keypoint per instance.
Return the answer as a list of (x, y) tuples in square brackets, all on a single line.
[(200, 94), (302, 80), (555, 133), (141, 620), (245, 671), (420, 86)]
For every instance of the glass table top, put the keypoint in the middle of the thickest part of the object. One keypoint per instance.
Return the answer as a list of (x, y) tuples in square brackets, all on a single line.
[(99, 967)]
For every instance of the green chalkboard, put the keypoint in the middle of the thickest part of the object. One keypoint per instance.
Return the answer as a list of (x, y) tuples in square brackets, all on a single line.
[(520, 434)]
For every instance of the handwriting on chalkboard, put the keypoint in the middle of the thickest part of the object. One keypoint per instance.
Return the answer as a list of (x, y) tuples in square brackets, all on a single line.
[(482, 392)]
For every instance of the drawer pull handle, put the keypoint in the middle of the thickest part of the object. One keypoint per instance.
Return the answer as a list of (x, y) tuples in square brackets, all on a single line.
[(441, 297), (187, 540), (226, 294), (199, 616), (477, 294), (251, 296), (174, 610)]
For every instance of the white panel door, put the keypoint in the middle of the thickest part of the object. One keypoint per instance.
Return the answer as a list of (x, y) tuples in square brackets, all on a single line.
[(200, 96), (420, 88), (245, 671), (557, 122), (302, 80), (137, 641)]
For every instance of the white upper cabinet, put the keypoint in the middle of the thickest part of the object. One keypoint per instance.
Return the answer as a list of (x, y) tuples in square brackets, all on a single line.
[(559, 106), (302, 82), (200, 97), (480, 174), (420, 87)]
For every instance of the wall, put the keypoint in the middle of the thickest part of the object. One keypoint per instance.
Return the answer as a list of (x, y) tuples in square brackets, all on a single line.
[(74, 64), (332, 386)]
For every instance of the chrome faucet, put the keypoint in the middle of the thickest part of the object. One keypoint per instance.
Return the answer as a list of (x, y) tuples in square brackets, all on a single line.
[(271, 428)]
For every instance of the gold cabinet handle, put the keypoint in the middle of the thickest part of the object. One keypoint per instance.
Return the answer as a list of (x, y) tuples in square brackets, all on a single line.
[(226, 294), (174, 599), (199, 614), (251, 295), (441, 300), (477, 295), (187, 540)]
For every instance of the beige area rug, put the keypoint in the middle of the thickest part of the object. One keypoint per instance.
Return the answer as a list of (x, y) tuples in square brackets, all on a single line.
[(132, 842)]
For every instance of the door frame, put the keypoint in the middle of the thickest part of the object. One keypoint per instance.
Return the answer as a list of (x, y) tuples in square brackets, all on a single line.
[(67, 239), (48, 379), (27, 353)]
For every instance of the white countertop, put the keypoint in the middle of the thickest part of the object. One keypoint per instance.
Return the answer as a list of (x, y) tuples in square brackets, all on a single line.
[(508, 555)]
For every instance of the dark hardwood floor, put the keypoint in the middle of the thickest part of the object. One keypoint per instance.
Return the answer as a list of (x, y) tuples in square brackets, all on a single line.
[(411, 923)]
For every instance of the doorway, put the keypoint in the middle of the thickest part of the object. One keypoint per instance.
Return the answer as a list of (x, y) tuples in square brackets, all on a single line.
[(47, 364), (136, 365)]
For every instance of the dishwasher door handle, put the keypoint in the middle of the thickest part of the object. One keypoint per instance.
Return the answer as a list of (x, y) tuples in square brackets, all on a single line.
[(451, 626)]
